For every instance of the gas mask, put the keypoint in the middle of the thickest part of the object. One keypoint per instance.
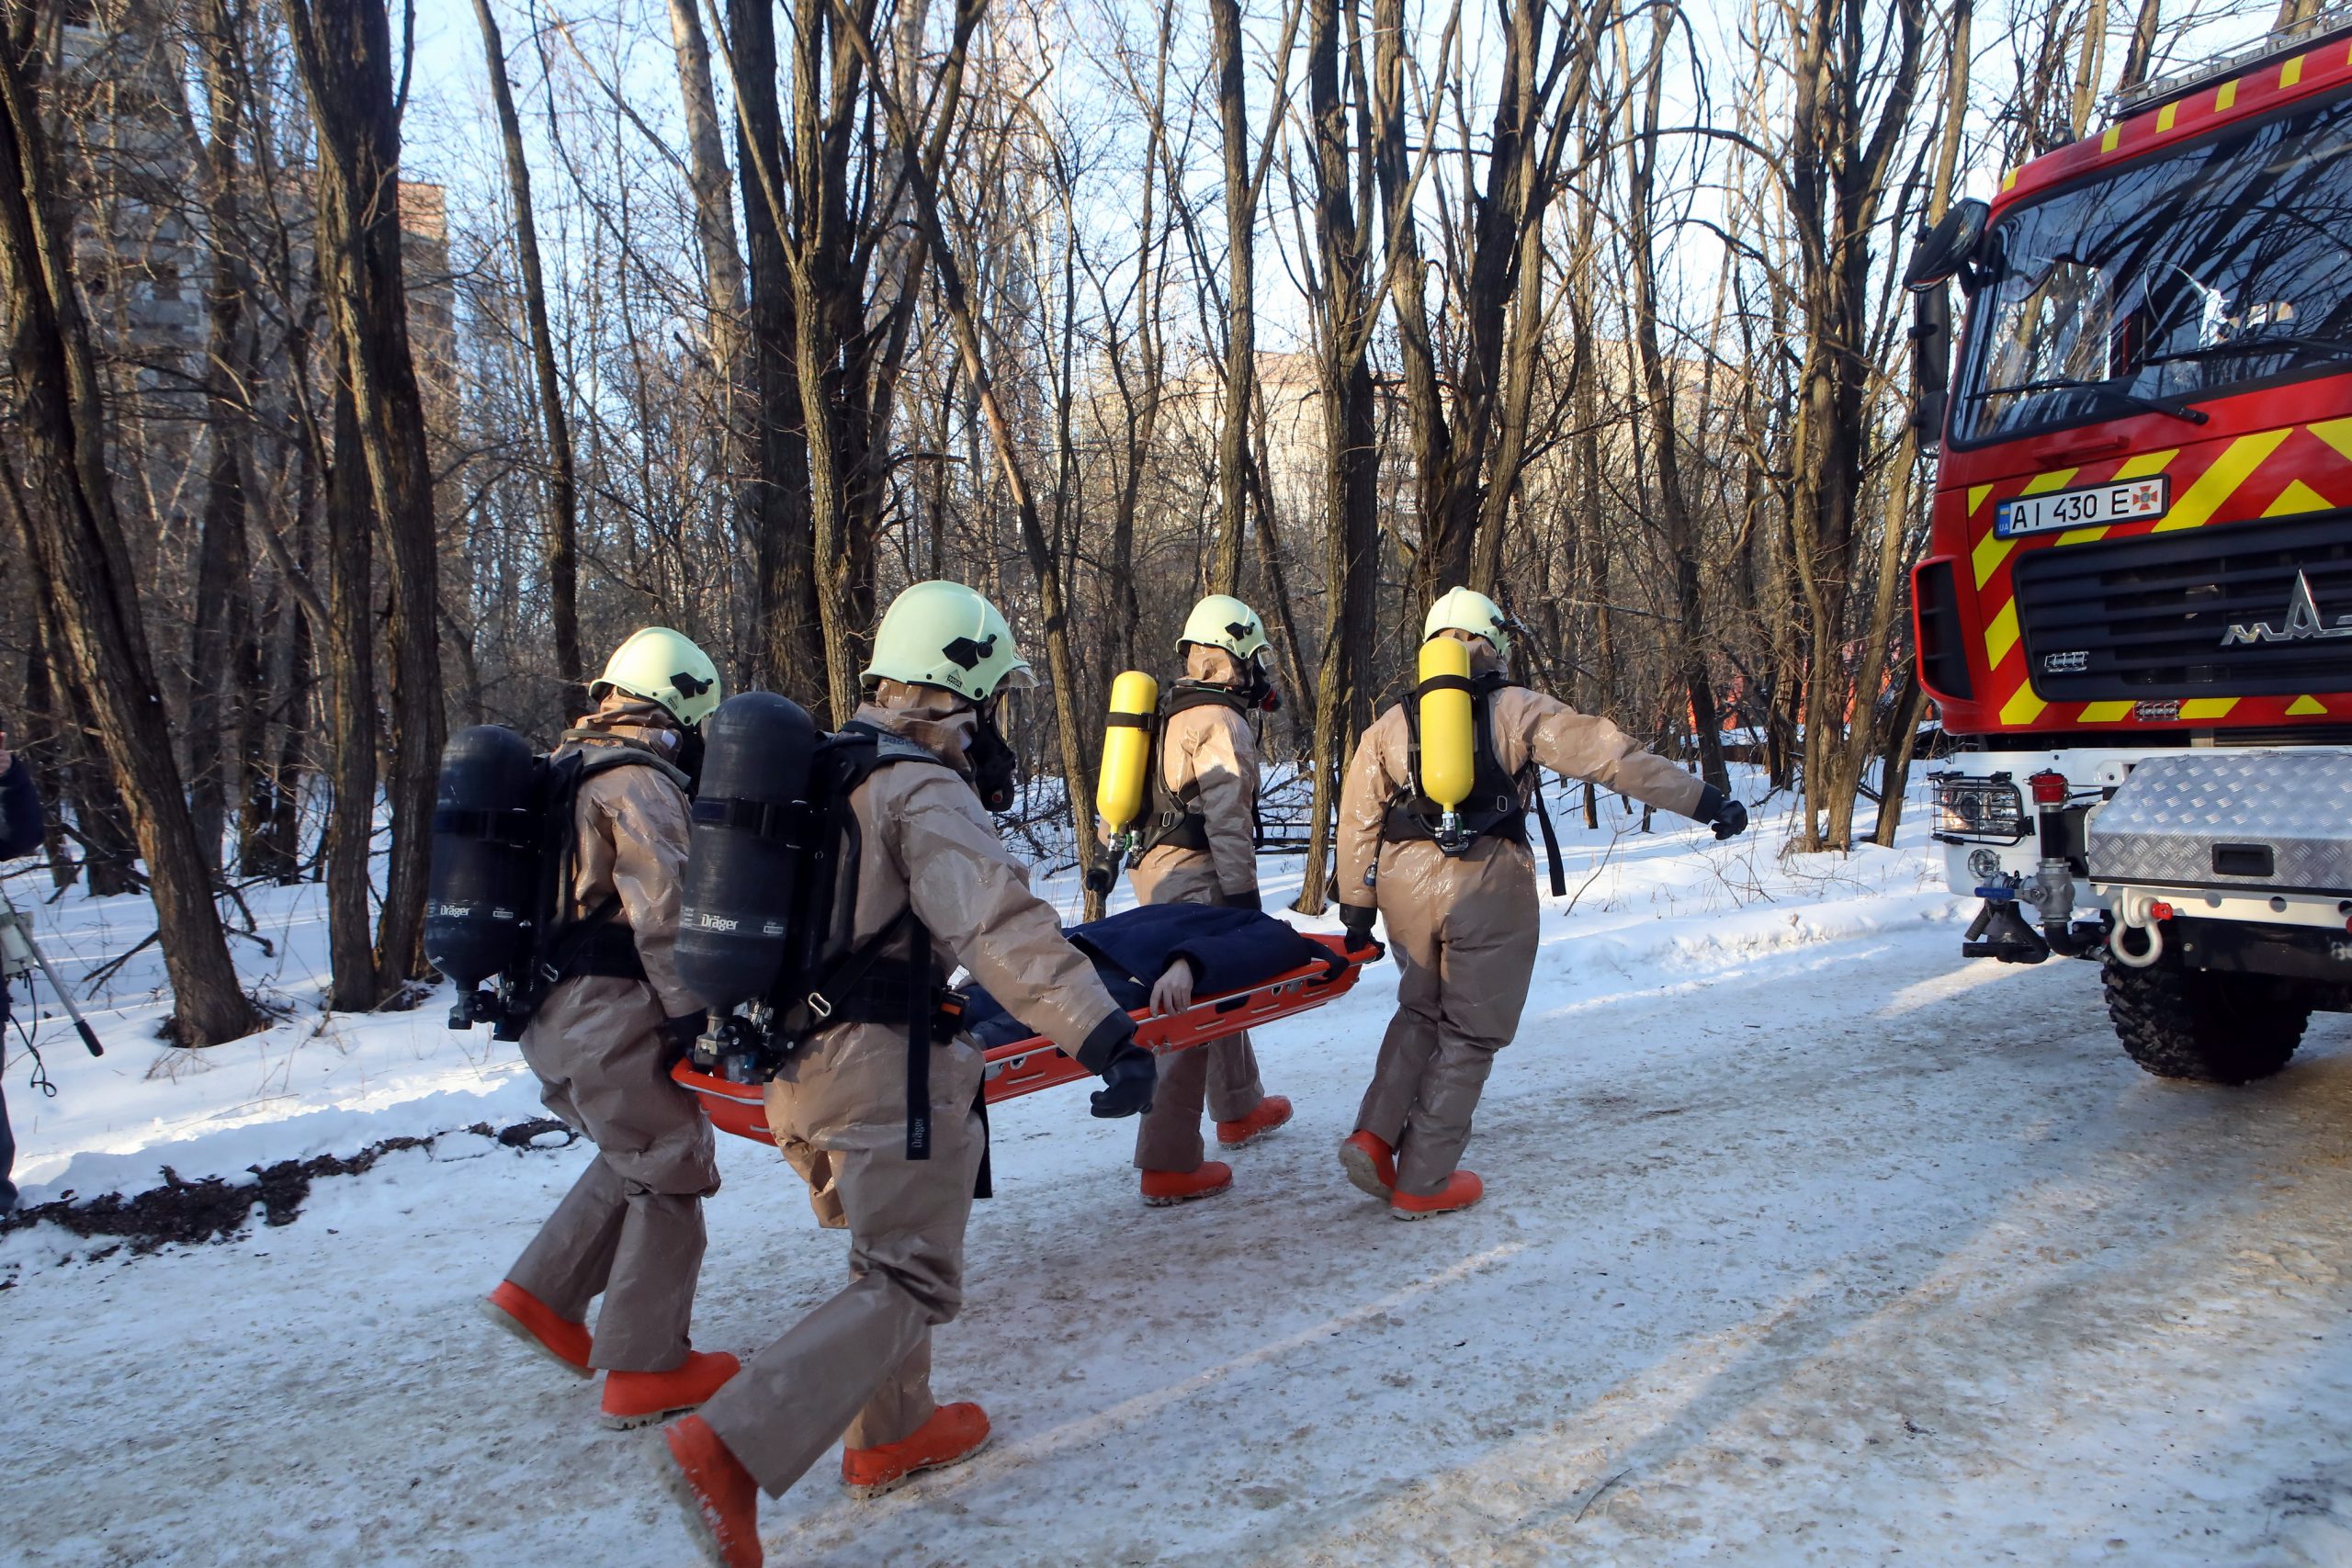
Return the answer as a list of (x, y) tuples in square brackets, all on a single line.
[(689, 758), (996, 770), (1260, 692)]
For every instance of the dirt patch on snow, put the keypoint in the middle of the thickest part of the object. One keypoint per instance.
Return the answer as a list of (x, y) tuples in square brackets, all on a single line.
[(212, 1209)]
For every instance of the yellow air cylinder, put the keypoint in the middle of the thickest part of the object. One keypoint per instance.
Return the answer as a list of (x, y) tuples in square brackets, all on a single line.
[(1448, 733), (1126, 749)]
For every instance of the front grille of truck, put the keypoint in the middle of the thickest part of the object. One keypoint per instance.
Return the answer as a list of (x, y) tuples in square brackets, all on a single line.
[(2144, 618)]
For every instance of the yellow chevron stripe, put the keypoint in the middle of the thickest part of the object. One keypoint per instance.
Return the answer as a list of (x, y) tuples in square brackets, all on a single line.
[(2083, 535), (2297, 497), (2227, 97), (2217, 483), (2009, 180), (2290, 72), (2106, 713), (2302, 705), (2337, 434), (2114, 134), (2165, 116), (2207, 707), (1976, 493), (2001, 634), (2023, 706), (1988, 555)]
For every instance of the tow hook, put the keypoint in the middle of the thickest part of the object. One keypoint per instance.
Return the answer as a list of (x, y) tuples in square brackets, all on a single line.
[(2141, 911)]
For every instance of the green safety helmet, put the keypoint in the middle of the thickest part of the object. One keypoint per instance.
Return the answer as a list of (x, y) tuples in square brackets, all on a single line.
[(1222, 621), (1466, 610), (944, 633), (661, 666)]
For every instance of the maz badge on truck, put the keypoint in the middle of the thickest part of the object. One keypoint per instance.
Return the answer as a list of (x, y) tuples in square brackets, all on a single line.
[(2093, 506)]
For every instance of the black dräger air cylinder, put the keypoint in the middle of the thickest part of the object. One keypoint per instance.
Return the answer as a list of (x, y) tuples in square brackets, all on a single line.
[(485, 855), (742, 864)]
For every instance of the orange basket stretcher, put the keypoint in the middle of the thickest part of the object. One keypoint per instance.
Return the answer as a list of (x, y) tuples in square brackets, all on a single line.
[(1024, 1066)]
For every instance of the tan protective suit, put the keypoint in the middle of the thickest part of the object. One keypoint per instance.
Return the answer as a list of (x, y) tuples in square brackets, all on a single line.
[(1208, 750), (1462, 929), (860, 1364), (631, 1226)]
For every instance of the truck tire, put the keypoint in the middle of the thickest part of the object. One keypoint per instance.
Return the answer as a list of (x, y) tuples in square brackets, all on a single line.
[(2205, 1027)]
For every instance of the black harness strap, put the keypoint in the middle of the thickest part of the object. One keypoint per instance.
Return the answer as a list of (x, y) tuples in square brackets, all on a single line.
[(919, 1048), (1551, 842)]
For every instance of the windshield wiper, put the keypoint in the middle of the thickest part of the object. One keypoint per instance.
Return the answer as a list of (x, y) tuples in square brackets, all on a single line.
[(2094, 388), (2268, 342)]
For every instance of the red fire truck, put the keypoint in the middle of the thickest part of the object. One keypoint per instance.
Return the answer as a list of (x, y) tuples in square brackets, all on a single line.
[(2135, 612)]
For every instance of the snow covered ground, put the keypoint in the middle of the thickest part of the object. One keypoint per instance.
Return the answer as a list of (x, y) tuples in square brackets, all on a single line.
[(1806, 1242)]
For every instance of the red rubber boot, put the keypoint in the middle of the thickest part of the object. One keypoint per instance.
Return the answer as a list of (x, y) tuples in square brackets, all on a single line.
[(1369, 1162), (640, 1399), (1162, 1188), (954, 1434), (1272, 1112), (534, 1323), (720, 1500), (1462, 1190)]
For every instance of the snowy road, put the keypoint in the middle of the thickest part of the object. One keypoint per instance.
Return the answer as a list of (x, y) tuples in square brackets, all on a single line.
[(1844, 1252)]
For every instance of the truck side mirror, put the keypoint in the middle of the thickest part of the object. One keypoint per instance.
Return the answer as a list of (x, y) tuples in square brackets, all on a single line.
[(1930, 365), (1947, 249)]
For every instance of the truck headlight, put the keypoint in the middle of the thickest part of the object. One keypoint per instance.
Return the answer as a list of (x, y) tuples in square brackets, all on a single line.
[(1978, 810)]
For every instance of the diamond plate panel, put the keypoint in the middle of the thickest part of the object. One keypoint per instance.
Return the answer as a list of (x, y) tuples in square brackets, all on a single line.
[(2164, 821)]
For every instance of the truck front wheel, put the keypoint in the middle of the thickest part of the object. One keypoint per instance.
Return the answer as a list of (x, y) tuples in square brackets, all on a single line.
[(2204, 1026)]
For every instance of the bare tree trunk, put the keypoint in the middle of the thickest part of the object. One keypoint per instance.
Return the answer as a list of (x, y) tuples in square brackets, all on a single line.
[(1241, 328), (563, 502), (57, 473), (1901, 742), (2136, 55), (223, 607), (343, 53), (707, 165), (1837, 181), (792, 656), (1351, 451), (351, 714)]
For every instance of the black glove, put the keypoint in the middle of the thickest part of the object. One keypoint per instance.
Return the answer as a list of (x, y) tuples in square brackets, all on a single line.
[(1356, 920), (1245, 899), (679, 1034), (1726, 815), (1128, 1085), (1098, 880), (1129, 1072)]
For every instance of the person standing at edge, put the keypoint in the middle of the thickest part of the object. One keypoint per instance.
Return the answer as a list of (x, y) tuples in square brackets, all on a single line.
[(20, 835), (601, 1041), (1199, 846), (931, 876), (1463, 928)]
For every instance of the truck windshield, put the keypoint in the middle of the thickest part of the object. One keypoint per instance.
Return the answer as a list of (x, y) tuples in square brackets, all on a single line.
[(2225, 262)]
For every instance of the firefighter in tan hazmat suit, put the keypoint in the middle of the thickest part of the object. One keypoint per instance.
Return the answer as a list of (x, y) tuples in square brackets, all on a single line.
[(602, 1041), (1199, 846), (858, 1368), (1463, 928)]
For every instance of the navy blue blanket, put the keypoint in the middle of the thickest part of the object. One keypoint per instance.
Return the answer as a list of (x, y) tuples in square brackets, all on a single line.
[(1228, 949)]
